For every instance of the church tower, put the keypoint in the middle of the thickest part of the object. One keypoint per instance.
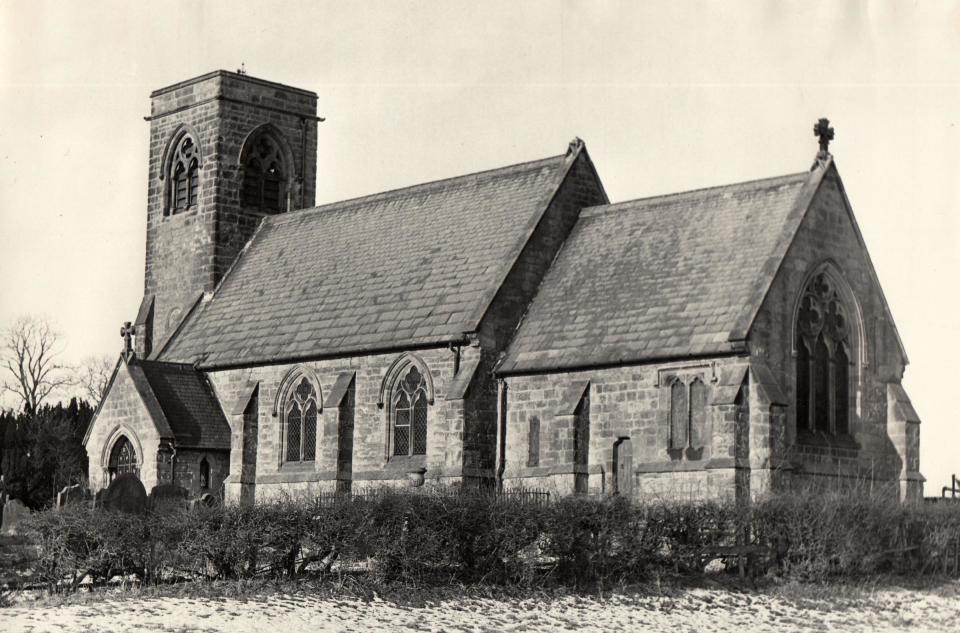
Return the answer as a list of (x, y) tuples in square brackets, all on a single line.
[(226, 149)]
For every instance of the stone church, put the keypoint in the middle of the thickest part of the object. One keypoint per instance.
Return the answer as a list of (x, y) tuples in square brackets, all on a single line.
[(508, 328)]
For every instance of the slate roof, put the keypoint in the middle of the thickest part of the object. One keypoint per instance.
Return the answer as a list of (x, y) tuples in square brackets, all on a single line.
[(656, 278), (409, 267), (187, 404)]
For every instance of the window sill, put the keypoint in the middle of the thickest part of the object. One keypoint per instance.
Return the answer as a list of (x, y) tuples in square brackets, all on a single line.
[(298, 466), (686, 454), (181, 213), (405, 463)]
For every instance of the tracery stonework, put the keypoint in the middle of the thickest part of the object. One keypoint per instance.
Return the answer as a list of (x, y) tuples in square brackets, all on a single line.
[(823, 359)]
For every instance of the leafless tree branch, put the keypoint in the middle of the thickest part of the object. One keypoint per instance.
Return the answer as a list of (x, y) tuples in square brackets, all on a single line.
[(28, 357)]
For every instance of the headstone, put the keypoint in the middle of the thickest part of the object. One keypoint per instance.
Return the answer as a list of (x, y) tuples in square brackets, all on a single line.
[(125, 494), (206, 500), (167, 496), (70, 495), (14, 512)]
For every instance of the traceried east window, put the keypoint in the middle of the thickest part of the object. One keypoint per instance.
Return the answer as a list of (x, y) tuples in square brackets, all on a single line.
[(410, 413), (823, 360), (184, 176), (264, 177), (300, 422)]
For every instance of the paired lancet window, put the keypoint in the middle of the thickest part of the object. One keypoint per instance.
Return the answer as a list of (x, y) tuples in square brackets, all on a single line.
[(688, 414), (823, 359), (184, 176), (264, 176), (300, 422)]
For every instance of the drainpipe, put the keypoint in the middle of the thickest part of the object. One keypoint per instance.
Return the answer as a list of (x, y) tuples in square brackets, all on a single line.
[(501, 431), (456, 358)]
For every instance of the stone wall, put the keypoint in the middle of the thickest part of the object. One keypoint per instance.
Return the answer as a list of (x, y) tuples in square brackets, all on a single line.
[(371, 465), (122, 413), (871, 457), (189, 252), (186, 470), (624, 402)]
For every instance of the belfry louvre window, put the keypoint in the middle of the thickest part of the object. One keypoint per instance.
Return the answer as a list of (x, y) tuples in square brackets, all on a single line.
[(823, 359), (184, 176), (264, 179), (300, 423), (410, 414)]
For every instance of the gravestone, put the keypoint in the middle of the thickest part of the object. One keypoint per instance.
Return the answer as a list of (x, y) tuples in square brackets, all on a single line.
[(14, 512), (168, 495), (125, 494), (206, 500), (70, 495)]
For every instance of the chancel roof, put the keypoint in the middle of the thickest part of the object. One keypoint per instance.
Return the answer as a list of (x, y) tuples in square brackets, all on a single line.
[(415, 266), (666, 277)]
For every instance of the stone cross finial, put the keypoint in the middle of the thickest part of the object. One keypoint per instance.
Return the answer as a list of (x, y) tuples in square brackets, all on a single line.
[(825, 132), (127, 332)]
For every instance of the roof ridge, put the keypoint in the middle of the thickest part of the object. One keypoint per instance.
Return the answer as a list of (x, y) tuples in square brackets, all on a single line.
[(619, 206), (430, 185)]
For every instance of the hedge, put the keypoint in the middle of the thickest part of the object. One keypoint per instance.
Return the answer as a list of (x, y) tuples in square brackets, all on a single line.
[(483, 538)]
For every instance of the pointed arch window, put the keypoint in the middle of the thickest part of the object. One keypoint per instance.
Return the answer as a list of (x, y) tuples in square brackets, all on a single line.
[(265, 177), (823, 359), (123, 459), (184, 176), (409, 408), (300, 422)]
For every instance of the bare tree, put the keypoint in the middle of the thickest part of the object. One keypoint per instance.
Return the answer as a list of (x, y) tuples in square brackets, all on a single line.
[(28, 362), (93, 376)]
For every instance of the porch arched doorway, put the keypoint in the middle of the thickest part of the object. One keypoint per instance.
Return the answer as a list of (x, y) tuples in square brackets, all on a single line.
[(123, 459)]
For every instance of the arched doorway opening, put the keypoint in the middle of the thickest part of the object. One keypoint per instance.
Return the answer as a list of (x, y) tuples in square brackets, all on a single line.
[(123, 459)]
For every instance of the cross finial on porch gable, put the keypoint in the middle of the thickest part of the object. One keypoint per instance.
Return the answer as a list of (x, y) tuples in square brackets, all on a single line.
[(127, 332)]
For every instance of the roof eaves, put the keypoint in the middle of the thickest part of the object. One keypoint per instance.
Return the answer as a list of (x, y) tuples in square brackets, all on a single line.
[(771, 267), (363, 350), (521, 369)]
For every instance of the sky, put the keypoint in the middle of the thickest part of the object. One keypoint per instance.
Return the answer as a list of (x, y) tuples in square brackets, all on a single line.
[(667, 96)]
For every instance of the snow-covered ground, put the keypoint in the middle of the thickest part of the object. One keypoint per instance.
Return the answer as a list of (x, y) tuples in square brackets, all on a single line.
[(688, 610)]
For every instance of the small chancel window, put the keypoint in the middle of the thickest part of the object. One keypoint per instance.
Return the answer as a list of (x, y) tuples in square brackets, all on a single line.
[(184, 176), (300, 422)]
